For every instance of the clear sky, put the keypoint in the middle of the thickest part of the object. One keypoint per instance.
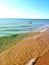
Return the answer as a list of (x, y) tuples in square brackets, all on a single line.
[(24, 8)]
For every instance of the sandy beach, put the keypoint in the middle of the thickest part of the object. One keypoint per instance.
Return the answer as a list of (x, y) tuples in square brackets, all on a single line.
[(33, 47)]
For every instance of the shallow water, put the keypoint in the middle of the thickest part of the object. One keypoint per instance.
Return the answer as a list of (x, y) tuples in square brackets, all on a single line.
[(9, 26)]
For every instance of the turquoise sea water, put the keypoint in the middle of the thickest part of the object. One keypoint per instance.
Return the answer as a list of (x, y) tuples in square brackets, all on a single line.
[(10, 26)]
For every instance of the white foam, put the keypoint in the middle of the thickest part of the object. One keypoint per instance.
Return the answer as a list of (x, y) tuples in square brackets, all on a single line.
[(43, 30)]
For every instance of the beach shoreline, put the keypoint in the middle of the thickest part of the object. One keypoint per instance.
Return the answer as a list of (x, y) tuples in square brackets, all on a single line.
[(24, 45)]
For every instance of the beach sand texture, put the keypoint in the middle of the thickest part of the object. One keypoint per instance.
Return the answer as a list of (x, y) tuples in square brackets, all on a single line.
[(43, 60), (31, 47)]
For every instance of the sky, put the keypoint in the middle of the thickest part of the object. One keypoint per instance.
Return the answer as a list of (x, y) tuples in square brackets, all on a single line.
[(24, 9)]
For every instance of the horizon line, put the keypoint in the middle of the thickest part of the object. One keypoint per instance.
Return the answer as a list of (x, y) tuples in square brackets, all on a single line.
[(27, 18)]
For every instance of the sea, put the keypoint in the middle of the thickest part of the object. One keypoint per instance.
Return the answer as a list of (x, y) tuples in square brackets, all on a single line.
[(11, 26)]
